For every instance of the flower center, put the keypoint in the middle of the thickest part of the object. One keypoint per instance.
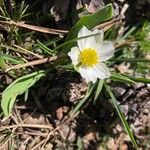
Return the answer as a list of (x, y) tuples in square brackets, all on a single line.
[(89, 57)]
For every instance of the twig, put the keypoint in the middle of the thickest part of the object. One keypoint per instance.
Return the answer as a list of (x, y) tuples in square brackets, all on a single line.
[(38, 145), (109, 23), (34, 133), (14, 119), (36, 55), (36, 28), (58, 127), (40, 126), (20, 56), (127, 42), (26, 126), (18, 114), (26, 140), (32, 63)]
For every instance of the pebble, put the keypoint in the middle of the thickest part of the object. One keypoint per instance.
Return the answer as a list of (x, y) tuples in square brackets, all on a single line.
[(137, 123), (126, 96), (138, 86), (144, 119), (119, 91), (121, 1), (140, 130), (146, 111)]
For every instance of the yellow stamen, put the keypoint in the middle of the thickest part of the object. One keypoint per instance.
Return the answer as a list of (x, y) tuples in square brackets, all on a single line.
[(89, 57)]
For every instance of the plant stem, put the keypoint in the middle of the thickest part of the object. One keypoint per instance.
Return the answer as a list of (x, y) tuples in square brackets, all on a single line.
[(143, 80), (130, 60), (121, 115)]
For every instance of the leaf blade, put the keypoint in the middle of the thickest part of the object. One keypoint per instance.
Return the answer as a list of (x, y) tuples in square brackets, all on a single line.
[(98, 90), (90, 21), (16, 88), (121, 115), (121, 78)]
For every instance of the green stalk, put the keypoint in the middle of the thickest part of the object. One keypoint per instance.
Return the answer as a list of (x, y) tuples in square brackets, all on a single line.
[(143, 80), (82, 101), (121, 115), (74, 40), (130, 60)]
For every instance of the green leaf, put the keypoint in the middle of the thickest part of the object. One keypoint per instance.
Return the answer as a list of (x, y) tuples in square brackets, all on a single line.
[(10, 58), (121, 115), (121, 78), (45, 48), (16, 88), (98, 90), (132, 60), (90, 21), (142, 80), (2, 64), (47, 43), (127, 34), (144, 45), (83, 100)]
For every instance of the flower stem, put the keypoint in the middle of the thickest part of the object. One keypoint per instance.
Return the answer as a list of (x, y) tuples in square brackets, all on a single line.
[(131, 59)]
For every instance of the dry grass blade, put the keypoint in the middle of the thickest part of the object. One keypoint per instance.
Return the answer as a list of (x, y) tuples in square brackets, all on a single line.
[(26, 126), (32, 63), (34, 133), (106, 25), (38, 145), (58, 127), (34, 54), (36, 28)]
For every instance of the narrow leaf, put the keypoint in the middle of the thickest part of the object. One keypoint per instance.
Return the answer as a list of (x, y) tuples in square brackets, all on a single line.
[(16, 88), (83, 100), (121, 115), (10, 58), (142, 80), (90, 21), (98, 90), (45, 48), (121, 78), (2, 64)]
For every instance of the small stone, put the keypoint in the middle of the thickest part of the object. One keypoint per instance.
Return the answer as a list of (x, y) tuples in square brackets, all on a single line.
[(126, 96), (146, 111), (119, 128), (144, 119), (137, 123), (119, 91), (140, 130), (138, 86), (125, 109)]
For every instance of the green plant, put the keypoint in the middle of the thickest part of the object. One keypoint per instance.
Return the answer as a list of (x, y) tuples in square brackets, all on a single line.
[(59, 47)]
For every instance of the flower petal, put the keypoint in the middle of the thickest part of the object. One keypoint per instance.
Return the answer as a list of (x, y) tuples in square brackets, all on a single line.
[(101, 71), (99, 37), (88, 74), (88, 42), (74, 55), (106, 50), (91, 74)]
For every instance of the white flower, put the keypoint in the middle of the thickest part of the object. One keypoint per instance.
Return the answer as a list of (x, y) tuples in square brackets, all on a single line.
[(90, 54)]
